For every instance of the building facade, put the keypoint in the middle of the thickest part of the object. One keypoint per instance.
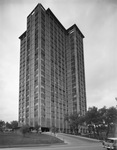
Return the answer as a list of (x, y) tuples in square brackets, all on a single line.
[(52, 75)]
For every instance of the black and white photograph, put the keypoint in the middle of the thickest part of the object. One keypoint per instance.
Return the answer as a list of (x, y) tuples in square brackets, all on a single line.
[(58, 74)]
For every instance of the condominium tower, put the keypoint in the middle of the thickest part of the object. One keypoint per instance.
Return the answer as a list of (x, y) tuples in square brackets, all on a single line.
[(52, 75)]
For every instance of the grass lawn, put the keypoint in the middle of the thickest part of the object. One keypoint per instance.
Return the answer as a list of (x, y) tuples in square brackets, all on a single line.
[(29, 138)]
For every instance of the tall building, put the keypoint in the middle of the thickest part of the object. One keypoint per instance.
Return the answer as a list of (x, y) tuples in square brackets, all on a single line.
[(52, 75)]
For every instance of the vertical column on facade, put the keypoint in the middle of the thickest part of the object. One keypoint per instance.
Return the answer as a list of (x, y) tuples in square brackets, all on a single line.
[(28, 70), (36, 69), (69, 79), (65, 104), (39, 67), (48, 48), (47, 74), (43, 68), (63, 77), (25, 75), (55, 70), (22, 79), (66, 86), (67, 67), (32, 50), (77, 73), (52, 71), (84, 84), (57, 78), (80, 58), (60, 79)]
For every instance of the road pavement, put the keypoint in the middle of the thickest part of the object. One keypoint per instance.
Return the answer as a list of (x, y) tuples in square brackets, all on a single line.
[(71, 143)]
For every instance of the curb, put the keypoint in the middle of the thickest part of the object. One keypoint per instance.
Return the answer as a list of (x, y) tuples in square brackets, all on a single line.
[(30, 145)]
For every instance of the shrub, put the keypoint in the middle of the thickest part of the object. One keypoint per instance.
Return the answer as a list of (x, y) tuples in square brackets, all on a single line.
[(24, 129)]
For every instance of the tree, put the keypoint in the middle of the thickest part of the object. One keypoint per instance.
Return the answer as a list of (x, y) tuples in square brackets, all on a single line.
[(14, 124), (102, 114), (2, 125), (38, 128), (102, 120), (92, 115), (24, 129), (92, 118), (111, 118), (101, 126), (74, 120), (8, 125), (53, 129)]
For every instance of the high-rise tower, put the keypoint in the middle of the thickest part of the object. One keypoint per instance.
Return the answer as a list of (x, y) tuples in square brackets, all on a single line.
[(52, 76)]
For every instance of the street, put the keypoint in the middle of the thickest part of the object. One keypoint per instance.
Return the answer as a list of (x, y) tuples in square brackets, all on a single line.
[(71, 143)]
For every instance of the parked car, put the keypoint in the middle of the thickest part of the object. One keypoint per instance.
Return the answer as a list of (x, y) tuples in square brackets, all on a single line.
[(110, 143)]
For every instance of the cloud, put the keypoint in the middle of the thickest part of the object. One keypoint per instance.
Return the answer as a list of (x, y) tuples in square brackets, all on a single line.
[(98, 22), (100, 53)]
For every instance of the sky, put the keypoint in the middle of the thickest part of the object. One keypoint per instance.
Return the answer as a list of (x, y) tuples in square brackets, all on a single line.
[(97, 20)]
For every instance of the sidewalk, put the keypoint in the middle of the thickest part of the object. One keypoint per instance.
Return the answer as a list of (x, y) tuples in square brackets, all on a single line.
[(77, 136), (82, 137), (56, 135)]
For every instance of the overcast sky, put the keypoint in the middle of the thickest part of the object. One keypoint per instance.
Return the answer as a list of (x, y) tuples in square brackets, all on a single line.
[(97, 20)]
